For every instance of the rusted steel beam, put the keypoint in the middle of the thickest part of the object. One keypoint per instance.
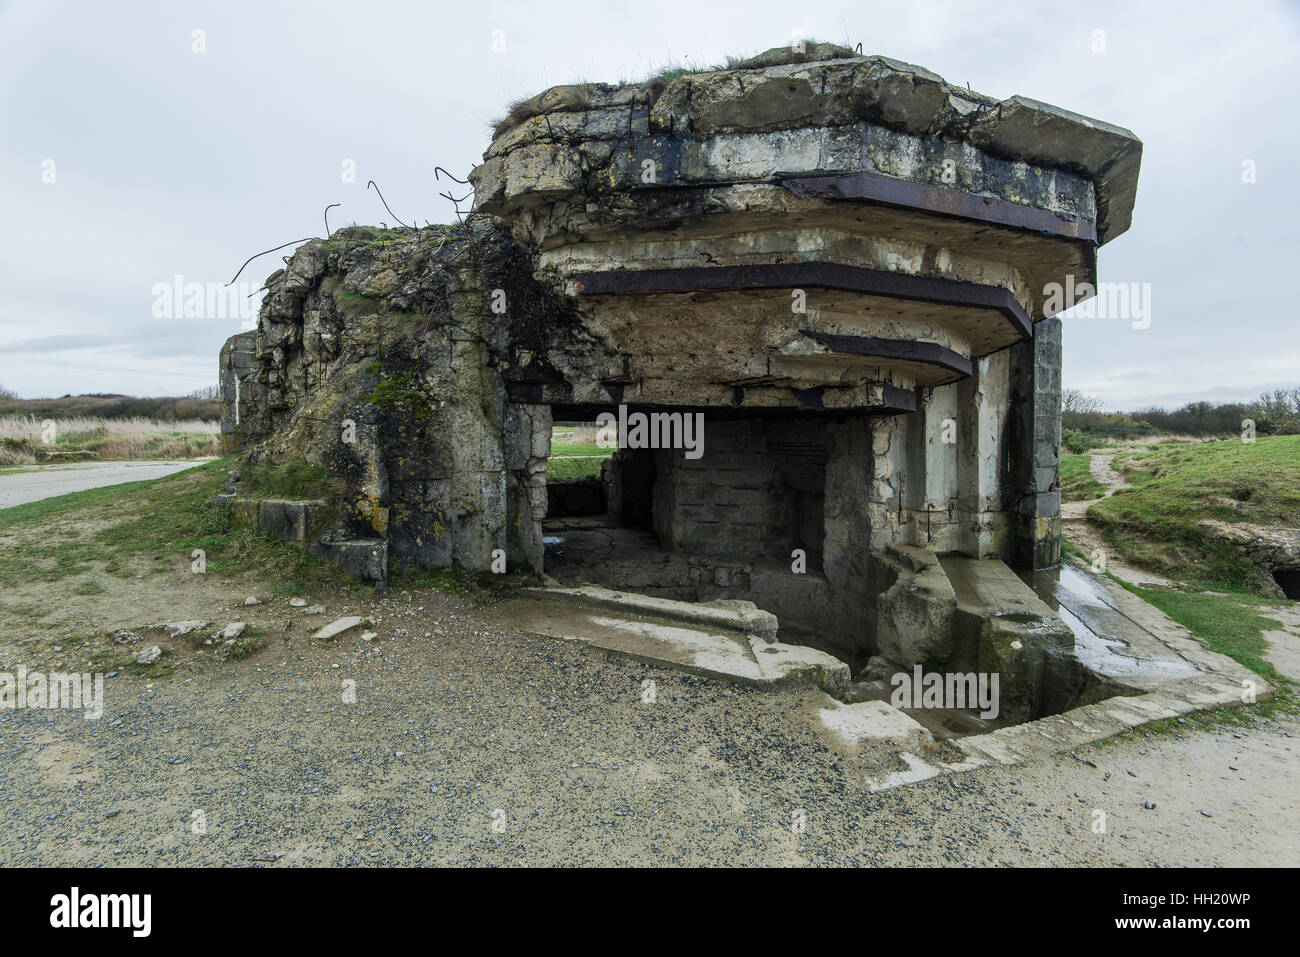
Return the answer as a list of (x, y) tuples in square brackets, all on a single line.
[(876, 282), (944, 200), (894, 401), (928, 353)]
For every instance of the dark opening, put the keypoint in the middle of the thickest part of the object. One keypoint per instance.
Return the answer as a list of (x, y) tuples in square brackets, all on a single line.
[(636, 500), (795, 500), (1289, 582)]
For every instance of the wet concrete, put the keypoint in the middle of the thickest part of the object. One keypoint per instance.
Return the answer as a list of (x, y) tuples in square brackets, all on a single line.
[(1104, 638)]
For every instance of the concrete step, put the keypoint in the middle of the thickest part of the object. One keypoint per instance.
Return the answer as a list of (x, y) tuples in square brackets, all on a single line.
[(364, 557), (300, 521)]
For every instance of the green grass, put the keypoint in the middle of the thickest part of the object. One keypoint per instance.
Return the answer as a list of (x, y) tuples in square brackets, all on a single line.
[(567, 448), (154, 524), (292, 480), (1177, 485), (1230, 624), (250, 642), (1077, 483), (567, 464), (569, 470), (454, 578)]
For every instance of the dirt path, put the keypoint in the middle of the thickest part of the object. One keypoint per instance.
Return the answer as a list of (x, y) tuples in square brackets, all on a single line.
[(1284, 652), (1075, 526), (31, 484), (1112, 481)]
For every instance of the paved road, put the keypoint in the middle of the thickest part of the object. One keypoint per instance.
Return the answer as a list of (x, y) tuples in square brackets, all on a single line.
[(46, 481)]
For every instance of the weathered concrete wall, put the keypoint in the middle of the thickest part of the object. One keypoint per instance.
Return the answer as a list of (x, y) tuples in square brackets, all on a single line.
[(379, 357), (714, 505), (240, 389)]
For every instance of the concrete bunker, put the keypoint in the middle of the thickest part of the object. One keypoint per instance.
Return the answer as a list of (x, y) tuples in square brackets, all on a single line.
[(844, 264)]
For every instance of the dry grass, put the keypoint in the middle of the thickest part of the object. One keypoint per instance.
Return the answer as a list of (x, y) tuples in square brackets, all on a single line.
[(23, 438)]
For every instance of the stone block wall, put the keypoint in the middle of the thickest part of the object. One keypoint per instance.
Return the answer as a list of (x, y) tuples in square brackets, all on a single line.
[(714, 505)]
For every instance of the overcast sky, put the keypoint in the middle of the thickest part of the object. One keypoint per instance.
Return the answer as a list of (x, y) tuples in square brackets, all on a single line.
[(168, 162)]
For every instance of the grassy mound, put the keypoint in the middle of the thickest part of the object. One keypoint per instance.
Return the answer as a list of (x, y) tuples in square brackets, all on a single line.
[(1177, 485)]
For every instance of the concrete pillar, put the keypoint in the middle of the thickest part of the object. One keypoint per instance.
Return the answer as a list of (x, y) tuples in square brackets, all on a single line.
[(1034, 485), (983, 400), (238, 391)]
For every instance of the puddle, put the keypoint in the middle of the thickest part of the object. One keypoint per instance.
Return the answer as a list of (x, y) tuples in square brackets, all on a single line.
[(552, 540), (1083, 605)]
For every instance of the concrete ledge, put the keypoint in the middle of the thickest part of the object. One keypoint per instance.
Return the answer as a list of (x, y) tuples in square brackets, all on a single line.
[(286, 519), (707, 640), (1219, 682), (740, 616)]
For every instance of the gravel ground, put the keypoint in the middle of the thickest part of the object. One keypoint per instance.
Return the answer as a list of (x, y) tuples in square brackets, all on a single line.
[(462, 722)]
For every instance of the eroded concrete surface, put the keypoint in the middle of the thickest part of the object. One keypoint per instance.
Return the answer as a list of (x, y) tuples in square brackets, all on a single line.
[(1147, 667)]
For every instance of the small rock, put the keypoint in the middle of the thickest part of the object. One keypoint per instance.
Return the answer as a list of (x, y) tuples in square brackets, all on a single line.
[(252, 600), (113, 813), (315, 610), (149, 655), (298, 602), (178, 629), (337, 627), (369, 635), (1149, 805), (231, 631), (123, 637), (226, 648)]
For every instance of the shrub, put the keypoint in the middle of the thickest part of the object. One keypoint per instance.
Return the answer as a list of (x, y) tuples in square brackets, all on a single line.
[(1077, 441)]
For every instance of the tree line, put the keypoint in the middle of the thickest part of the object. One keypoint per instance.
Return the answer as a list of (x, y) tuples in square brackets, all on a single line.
[(1273, 413)]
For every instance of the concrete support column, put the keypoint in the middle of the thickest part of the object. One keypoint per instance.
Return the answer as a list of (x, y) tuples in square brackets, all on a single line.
[(1034, 493), (885, 505), (936, 526), (981, 442)]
